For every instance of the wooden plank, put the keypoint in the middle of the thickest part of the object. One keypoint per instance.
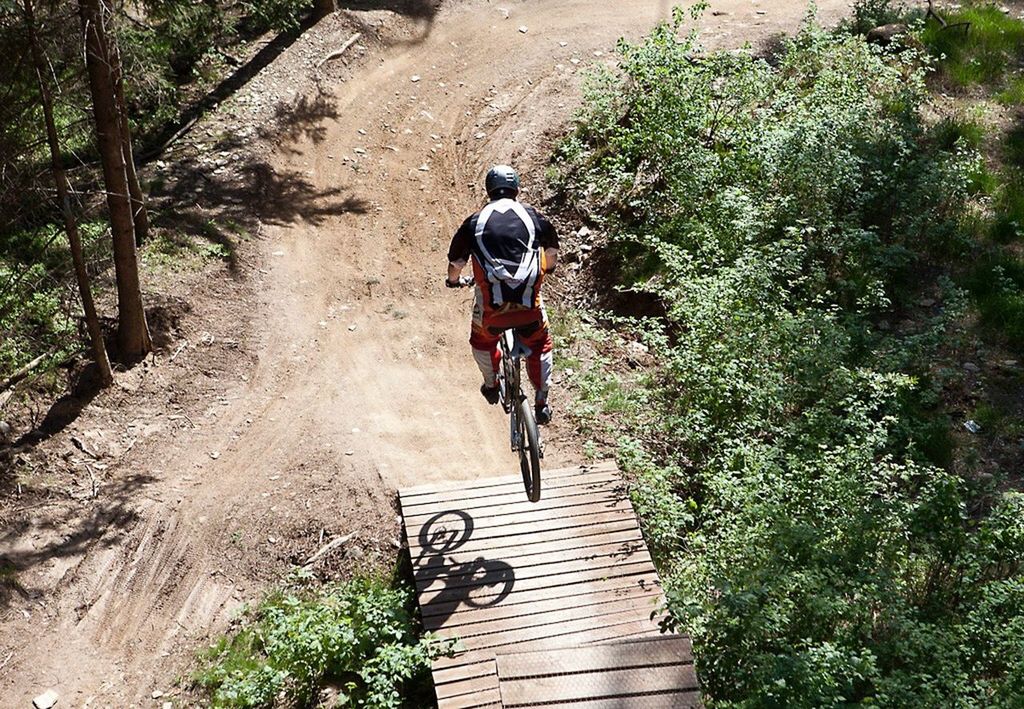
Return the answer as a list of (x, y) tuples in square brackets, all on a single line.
[(466, 686), (448, 567), (481, 595), (449, 539), (577, 547), (601, 634), (476, 573), (672, 700), (457, 519), (489, 698), (455, 675), (667, 650), (490, 482), (467, 622), (479, 601), (624, 511), (525, 544), (594, 497), (512, 493), (520, 602), (559, 489), (567, 626), (607, 683), (455, 526), (476, 634)]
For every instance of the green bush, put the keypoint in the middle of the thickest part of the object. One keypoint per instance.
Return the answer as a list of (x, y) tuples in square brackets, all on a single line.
[(997, 283), (39, 308), (865, 15), (359, 635), (789, 460)]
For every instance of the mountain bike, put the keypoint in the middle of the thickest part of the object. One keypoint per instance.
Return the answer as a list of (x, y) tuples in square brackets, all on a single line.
[(524, 433)]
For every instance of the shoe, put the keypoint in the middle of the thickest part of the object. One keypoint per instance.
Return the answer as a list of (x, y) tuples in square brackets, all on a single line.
[(490, 393), (542, 412)]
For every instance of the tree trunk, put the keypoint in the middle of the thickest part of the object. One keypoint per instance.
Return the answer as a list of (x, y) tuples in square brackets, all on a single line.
[(323, 8), (92, 322), (133, 341), (140, 216)]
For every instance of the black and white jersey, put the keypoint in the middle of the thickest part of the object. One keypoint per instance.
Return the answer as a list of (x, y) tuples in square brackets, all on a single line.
[(504, 239)]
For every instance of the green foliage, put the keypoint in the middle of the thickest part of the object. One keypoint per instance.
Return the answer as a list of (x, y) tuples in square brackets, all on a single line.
[(276, 14), (1013, 94), (997, 283), (358, 634), (865, 15), (179, 250), (789, 460), (38, 310), (978, 47)]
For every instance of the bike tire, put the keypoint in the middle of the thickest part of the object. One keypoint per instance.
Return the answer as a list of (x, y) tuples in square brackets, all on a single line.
[(529, 451)]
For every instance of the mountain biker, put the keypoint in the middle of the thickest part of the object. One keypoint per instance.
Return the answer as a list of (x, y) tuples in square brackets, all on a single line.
[(512, 247)]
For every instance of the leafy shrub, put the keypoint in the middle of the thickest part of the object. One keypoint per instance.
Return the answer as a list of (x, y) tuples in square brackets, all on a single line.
[(359, 634), (38, 310), (865, 15), (787, 465), (998, 285)]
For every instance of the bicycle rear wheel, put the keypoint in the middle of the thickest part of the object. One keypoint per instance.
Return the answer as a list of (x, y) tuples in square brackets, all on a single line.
[(529, 450)]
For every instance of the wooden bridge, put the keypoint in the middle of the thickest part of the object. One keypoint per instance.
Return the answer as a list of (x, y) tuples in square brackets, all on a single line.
[(553, 603)]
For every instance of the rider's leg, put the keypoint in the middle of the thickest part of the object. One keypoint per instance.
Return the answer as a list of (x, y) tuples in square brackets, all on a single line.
[(487, 357), (538, 366), (485, 346)]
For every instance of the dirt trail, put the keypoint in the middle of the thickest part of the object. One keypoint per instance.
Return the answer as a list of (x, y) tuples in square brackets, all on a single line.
[(363, 381)]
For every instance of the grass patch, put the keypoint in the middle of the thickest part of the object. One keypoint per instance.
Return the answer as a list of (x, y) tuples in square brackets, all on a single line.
[(1013, 94), (980, 45), (997, 284), (954, 132), (359, 636), (178, 250)]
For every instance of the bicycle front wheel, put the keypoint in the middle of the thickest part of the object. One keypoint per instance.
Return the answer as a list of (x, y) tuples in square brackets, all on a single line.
[(529, 450)]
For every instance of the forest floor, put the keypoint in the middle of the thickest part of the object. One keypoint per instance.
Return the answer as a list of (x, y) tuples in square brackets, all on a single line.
[(321, 365)]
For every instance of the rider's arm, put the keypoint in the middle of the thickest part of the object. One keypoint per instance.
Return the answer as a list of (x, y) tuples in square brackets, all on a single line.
[(455, 270), (458, 251), (550, 259), (548, 238)]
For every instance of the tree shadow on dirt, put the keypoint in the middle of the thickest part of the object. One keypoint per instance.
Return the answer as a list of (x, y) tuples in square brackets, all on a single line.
[(84, 386), (221, 200), (296, 121), (226, 88), (110, 514)]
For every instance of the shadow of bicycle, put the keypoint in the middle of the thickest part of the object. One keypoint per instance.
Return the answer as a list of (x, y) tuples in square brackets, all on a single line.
[(449, 584)]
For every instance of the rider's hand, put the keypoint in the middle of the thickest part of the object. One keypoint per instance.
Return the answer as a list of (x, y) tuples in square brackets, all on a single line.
[(460, 282)]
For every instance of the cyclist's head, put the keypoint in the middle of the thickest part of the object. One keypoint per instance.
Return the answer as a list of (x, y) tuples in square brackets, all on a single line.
[(502, 181)]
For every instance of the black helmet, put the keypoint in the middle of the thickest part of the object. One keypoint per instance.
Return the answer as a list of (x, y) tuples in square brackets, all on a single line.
[(502, 181)]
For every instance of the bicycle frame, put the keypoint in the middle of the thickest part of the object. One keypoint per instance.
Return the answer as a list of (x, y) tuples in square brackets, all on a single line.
[(511, 389)]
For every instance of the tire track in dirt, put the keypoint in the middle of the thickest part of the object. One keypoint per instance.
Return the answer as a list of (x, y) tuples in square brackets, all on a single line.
[(364, 360)]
